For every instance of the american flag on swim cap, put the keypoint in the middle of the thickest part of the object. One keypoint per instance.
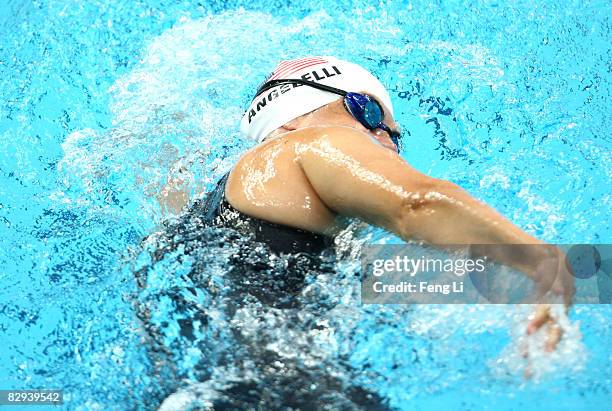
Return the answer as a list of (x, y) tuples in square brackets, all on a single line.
[(287, 67)]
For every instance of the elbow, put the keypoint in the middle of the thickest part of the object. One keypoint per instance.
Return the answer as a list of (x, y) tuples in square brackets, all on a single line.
[(428, 192), (419, 209)]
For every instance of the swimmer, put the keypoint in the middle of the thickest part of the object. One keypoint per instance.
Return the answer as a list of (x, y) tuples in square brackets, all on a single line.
[(328, 150), (328, 147)]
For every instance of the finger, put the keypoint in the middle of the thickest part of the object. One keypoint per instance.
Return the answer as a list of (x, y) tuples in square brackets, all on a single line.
[(555, 332), (541, 316)]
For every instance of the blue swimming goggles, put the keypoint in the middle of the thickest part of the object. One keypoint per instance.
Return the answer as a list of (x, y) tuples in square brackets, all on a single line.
[(364, 108)]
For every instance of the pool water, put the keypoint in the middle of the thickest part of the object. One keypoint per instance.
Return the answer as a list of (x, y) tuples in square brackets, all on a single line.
[(107, 107)]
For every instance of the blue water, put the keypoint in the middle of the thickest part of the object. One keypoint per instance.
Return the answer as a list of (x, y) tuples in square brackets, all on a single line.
[(106, 104)]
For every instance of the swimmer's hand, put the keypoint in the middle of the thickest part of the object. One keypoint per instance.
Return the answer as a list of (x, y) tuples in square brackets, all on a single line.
[(543, 319), (552, 275)]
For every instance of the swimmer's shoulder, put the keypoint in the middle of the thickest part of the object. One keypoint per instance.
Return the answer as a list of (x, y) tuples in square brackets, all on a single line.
[(281, 152)]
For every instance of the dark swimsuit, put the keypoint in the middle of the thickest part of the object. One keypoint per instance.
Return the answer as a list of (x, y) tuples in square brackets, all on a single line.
[(213, 222), (218, 212), (267, 269)]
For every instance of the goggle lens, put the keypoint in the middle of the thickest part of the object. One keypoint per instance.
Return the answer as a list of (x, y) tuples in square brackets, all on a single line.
[(372, 114), (364, 108)]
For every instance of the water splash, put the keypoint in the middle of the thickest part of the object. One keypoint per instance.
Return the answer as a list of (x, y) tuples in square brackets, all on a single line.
[(478, 89)]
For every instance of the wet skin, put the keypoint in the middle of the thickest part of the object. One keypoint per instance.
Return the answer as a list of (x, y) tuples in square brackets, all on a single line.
[(325, 165)]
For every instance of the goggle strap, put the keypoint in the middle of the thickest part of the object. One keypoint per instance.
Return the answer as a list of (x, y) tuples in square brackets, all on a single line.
[(273, 83)]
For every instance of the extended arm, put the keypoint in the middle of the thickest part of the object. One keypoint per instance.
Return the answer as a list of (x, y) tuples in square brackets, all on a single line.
[(355, 176)]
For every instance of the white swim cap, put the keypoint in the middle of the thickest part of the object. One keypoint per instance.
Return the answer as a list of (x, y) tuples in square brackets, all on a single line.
[(276, 106)]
